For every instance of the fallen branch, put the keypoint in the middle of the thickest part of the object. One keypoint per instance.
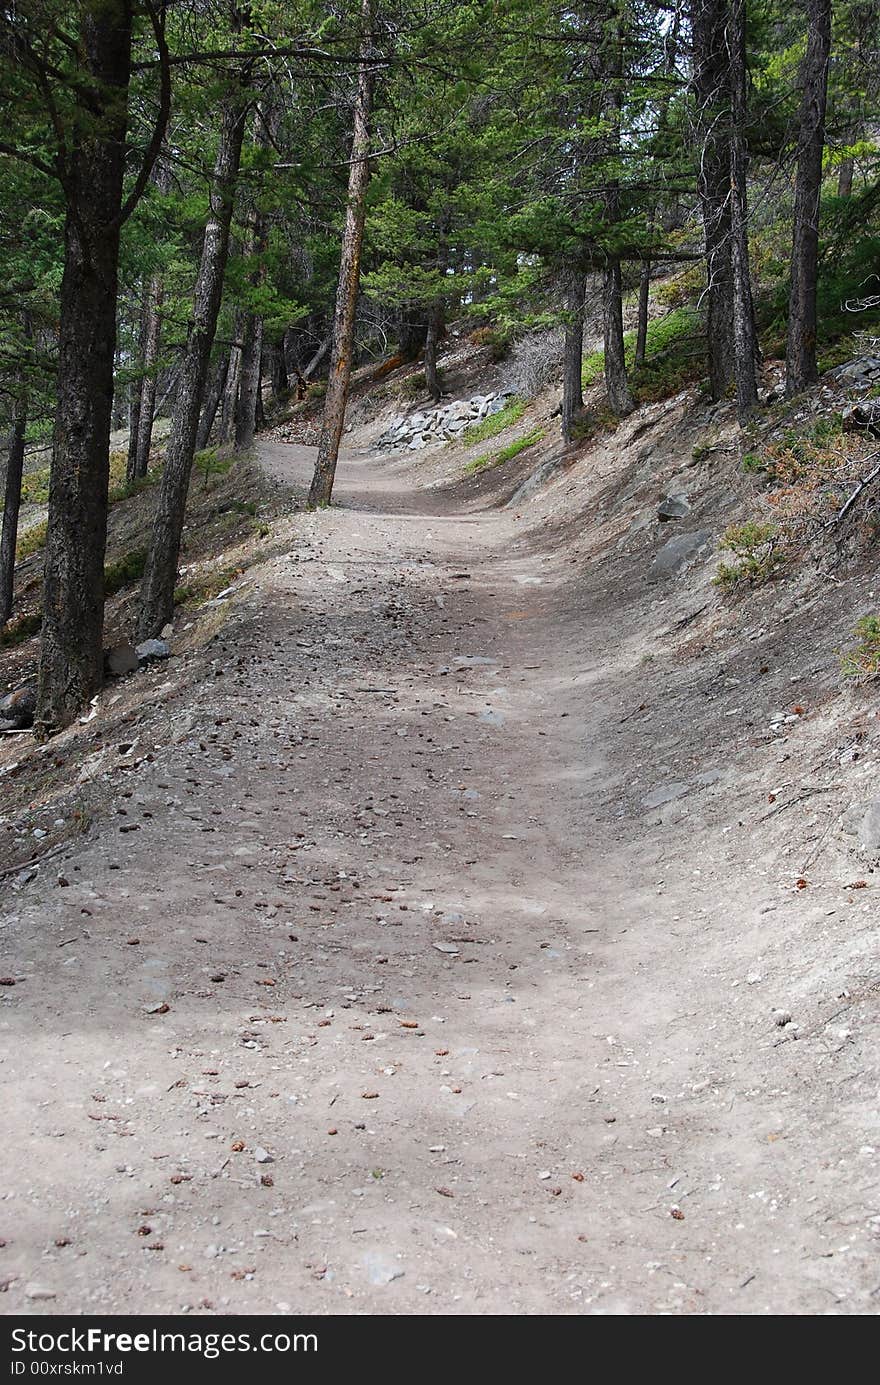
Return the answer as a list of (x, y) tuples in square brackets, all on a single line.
[(851, 499)]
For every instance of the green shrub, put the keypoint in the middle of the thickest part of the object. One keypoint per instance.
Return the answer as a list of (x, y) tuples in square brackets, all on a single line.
[(513, 449), (123, 571), (32, 540), (496, 423), (674, 356), (35, 487), (862, 663), (756, 553)]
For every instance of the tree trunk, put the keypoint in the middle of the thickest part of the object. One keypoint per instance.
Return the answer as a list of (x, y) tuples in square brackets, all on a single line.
[(745, 338), (275, 366), (229, 405), (152, 341), (349, 276), (710, 82), (135, 390), (616, 381), (11, 506), (800, 355), (573, 359), (249, 384), (432, 339), (71, 656), (160, 574), (642, 322), (212, 402), (845, 178), (318, 357)]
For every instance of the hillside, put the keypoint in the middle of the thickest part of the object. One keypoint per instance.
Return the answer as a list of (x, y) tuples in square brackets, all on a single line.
[(476, 878)]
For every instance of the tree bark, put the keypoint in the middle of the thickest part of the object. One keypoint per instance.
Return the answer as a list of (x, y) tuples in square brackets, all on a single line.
[(213, 397), (710, 84), (745, 337), (71, 657), (160, 573), (642, 321), (275, 367), (229, 403), (845, 178), (349, 276), (573, 358), (249, 383), (616, 381), (801, 368), (432, 340), (152, 339), (135, 390), (11, 506)]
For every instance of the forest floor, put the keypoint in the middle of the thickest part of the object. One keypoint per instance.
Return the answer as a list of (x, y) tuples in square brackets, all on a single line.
[(432, 979)]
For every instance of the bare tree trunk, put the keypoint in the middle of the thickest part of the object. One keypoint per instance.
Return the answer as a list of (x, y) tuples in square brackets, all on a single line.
[(642, 321), (573, 358), (318, 357), (710, 83), (616, 381), (11, 506), (160, 573), (432, 340), (745, 337), (213, 397), (249, 383), (845, 178), (152, 340), (801, 368), (275, 366), (229, 403), (134, 401), (71, 654), (349, 276)]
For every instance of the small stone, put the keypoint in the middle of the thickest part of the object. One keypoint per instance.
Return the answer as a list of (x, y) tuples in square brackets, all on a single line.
[(263, 1156), (38, 1292), (120, 659), (673, 507), (781, 1017), (17, 708), (448, 949)]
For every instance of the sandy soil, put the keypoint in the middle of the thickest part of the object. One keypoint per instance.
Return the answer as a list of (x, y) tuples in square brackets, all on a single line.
[(400, 999)]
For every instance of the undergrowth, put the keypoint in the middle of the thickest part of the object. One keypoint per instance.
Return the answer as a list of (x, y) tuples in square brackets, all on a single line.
[(674, 356), (862, 664), (513, 449), (495, 423)]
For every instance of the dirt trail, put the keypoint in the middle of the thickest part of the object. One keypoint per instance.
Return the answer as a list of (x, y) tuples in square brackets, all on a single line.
[(445, 1032)]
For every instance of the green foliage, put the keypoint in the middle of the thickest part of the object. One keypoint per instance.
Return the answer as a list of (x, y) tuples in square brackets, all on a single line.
[(756, 554), (673, 356), (862, 663), (35, 487), (32, 540), (123, 571), (495, 423), (513, 449), (210, 463)]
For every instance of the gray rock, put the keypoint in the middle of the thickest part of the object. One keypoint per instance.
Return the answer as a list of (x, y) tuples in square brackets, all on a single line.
[(666, 793), (120, 659), (869, 829), (678, 553), (17, 709), (673, 507), (381, 1269), (151, 650), (38, 1292), (263, 1156)]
